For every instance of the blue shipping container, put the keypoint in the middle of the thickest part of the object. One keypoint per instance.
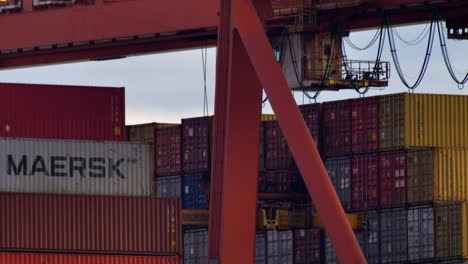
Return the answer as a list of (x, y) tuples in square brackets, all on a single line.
[(193, 191)]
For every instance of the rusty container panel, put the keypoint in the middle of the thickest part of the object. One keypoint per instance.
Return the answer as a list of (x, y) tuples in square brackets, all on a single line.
[(75, 167), (280, 182), (312, 116), (307, 246), (365, 182), (196, 144), (77, 112), (451, 231), (364, 125), (89, 224), (337, 128), (392, 178), (437, 175), (168, 149), (420, 233), (277, 153), (34, 258), (423, 120), (165, 140), (339, 170), (394, 235)]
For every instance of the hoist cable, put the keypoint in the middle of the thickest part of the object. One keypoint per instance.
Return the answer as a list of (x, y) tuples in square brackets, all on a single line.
[(396, 62), (370, 44), (417, 40), (204, 53), (448, 64)]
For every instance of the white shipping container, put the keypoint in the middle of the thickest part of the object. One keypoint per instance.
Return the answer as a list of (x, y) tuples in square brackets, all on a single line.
[(75, 167)]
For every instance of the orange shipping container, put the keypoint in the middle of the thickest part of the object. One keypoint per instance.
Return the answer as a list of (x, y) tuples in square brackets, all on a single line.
[(28, 258)]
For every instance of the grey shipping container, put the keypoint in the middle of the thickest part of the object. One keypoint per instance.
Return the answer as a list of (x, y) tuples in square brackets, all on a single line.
[(368, 239), (330, 254), (196, 247), (75, 167), (420, 233), (260, 248), (393, 235), (169, 186), (279, 247), (339, 170)]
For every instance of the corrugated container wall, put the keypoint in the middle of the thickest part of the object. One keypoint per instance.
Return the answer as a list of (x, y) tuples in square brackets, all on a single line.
[(89, 224), (196, 247), (75, 167), (337, 128), (196, 144), (166, 146), (277, 153), (423, 120), (31, 258), (62, 112), (451, 231), (332, 258), (392, 178), (437, 175), (168, 149), (312, 114), (280, 182), (195, 190), (420, 233), (365, 182), (307, 246), (260, 248), (339, 170), (393, 235), (169, 186), (279, 247), (364, 125)]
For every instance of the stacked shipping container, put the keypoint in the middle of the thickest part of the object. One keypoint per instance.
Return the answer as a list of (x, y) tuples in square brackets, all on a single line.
[(105, 209)]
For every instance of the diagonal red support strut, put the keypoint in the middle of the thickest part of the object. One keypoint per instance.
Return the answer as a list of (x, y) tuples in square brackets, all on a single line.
[(297, 135)]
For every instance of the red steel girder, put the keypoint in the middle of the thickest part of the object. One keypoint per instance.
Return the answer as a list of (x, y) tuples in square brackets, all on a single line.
[(248, 65), (104, 20)]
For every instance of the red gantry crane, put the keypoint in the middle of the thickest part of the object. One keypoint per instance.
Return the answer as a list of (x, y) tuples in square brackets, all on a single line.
[(49, 31)]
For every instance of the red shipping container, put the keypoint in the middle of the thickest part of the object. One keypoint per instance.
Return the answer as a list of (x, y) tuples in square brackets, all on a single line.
[(307, 246), (196, 144), (168, 150), (277, 153), (365, 182), (364, 125), (166, 142), (337, 128), (62, 112), (312, 114), (32, 258), (90, 224), (392, 178)]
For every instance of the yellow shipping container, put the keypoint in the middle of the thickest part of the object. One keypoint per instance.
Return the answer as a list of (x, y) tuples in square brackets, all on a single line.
[(268, 117), (423, 120), (437, 175)]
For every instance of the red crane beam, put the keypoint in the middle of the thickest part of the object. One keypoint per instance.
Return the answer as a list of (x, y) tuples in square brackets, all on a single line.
[(110, 29)]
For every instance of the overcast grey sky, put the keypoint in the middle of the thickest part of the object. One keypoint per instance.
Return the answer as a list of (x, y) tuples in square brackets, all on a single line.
[(169, 86)]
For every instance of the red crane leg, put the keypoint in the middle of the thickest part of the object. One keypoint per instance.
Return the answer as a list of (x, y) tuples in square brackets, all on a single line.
[(297, 135), (239, 197)]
